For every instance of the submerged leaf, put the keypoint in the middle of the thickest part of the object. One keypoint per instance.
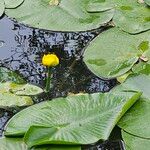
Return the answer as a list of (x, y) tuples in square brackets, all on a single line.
[(80, 119), (69, 15), (13, 3), (114, 52), (8, 75)]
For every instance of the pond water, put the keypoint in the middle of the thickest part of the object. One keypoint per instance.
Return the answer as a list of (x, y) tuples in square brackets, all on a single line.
[(21, 50)]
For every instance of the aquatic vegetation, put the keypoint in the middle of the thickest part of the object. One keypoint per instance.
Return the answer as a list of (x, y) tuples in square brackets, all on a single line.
[(121, 51)]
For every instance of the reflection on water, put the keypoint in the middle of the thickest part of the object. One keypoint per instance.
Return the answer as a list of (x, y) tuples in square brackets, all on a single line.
[(21, 49)]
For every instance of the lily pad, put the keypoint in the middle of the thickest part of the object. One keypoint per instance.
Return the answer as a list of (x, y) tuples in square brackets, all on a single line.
[(2, 7), (80, 119), (130, 15), (136, 121), (18, 144), (11, 100), (20, 89), (135, 143), (12, 94), (8, 75), (68, 15), (99, 6), (114, 52), (133, 20), (12, 3), (12, 144)]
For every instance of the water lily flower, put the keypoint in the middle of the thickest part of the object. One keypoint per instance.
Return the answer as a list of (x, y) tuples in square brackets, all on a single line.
[(50, 60)]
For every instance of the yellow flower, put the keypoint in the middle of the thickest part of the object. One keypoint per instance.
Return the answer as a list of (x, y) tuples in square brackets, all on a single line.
[(50, 60)]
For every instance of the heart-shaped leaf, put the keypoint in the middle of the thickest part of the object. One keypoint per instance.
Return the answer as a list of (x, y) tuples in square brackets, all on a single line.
[(114, 52), (68, 15), (80, 119)]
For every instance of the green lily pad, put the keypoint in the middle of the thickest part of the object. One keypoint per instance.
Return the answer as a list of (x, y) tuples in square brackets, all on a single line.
[(136, 121), (20, 89), (114, 52), (12, 144), (8, 75), (86, 119), (11, 100), (99, 6), (12, 94), (2, 7), (134, 20), (68, 15), (130, 15), (12, 3), (135, 143), (18, 144), (147, 2)]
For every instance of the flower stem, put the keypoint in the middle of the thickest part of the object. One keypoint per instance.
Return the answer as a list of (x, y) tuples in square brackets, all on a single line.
[(48, 79)]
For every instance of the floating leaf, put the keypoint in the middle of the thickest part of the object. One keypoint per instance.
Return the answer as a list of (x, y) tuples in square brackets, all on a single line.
[(134, 20), (130, 16), (18, 144), (20, 89), (114, 52), (80, 119), (12, 3), (12, 94), (147, 2), (136, 121), (8, 75), (135, 143), (11, 100), (99, 6), (12, 144), (69, 15), (26, 89), (2, 7)]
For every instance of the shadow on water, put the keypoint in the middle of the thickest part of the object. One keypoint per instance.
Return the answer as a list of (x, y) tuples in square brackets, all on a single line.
[(21, 50)]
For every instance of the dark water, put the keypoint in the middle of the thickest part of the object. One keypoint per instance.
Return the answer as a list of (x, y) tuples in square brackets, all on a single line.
[(21, 50)]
